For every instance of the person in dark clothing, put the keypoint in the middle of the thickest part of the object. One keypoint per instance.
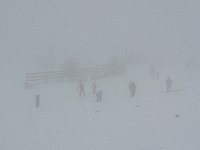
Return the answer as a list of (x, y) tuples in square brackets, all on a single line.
[(94, 87), (132, 88), (99, 96), (81, 88), (169, 84)]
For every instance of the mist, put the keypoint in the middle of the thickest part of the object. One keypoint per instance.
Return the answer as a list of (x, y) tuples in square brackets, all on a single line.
[(97, 31), (99, 75)]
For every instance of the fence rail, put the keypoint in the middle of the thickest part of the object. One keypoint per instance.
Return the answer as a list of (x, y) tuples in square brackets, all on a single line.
[(92, 73)]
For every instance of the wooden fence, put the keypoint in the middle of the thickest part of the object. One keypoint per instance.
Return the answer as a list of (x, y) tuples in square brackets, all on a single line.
[(74, 75)]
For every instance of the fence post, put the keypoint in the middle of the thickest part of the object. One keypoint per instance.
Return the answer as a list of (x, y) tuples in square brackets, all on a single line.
[(85, 74), (26, 86), (64, 74), (46, 76), (37, 102)]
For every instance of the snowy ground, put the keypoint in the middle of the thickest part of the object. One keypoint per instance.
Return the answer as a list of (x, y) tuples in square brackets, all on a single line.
[(153, 120)]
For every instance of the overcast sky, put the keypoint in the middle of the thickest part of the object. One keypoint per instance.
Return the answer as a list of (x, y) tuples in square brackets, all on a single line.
[(100, 28)]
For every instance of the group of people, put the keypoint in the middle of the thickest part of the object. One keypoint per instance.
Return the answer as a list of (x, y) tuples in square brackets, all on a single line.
[(81, 89), (132, 86), (132, 89), (155, 73)]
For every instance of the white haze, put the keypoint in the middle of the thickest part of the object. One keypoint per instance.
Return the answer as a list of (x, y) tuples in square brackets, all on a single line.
[(98, 30), (40, 35)]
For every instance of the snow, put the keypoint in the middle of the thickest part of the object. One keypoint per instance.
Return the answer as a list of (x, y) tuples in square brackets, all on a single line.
[(152, 120)]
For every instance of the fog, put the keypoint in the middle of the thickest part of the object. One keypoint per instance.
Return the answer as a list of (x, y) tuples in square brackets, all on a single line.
[(98, 30), (99, 75)]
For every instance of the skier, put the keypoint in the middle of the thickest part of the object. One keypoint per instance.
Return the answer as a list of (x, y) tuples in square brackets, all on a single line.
[(99, 96), (168, 84), (81, 88), (132, 88), (94, 87)]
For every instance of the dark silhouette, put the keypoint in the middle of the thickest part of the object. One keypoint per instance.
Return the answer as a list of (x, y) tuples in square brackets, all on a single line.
[(169, 83), (152, 71), (81, 88), (132, 88), (37, 100), (99, 95)]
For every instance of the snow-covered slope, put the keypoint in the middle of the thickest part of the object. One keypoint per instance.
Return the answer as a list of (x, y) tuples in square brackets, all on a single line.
[(152, 120)]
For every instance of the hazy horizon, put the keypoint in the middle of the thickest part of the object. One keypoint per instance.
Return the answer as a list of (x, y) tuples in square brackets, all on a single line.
[(99, 30)]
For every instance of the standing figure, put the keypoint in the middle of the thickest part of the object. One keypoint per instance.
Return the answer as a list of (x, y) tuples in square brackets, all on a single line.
[(94, 88), (132, 88), (157, 75), (81, 88), (169, 84), (152, 71), (99, 96)]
